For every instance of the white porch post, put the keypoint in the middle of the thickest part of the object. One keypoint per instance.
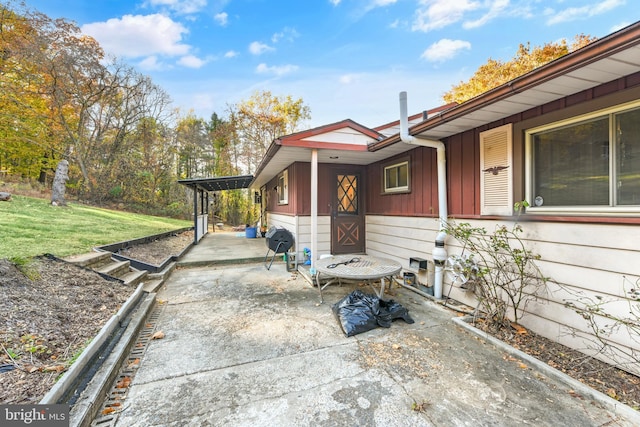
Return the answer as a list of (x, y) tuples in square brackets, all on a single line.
[(314, 209)]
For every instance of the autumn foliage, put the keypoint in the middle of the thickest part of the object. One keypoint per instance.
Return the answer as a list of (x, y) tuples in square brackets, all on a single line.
[(496, 72), (63, 97)]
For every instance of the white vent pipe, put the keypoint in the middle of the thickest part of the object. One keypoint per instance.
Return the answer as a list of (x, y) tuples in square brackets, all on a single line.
[(439, 252)]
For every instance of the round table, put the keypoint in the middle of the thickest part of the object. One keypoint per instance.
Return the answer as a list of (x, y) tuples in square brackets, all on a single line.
[(356, 267)]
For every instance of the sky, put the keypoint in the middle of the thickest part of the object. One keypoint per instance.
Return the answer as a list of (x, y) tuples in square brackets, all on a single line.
[(346, 59)]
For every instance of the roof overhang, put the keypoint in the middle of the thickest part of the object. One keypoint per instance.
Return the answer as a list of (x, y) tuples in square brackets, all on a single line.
[(218, 183), (603, 61)]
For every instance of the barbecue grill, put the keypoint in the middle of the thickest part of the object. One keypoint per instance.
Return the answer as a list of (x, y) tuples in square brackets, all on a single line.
[(279, 240)]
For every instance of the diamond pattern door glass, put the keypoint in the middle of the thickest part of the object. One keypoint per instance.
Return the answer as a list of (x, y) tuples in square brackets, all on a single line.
[(348, 194)]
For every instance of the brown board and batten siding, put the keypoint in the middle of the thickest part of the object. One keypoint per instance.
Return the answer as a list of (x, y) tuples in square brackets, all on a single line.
[(422, 198), (299, 200)]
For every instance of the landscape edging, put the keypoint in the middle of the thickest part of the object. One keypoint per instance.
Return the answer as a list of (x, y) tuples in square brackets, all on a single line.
[(613, 405)]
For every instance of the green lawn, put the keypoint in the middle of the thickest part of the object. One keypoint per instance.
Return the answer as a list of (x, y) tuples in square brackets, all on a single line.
[(30, 227)]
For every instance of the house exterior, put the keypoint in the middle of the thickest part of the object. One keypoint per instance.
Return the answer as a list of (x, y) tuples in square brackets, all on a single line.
[(564, 137)]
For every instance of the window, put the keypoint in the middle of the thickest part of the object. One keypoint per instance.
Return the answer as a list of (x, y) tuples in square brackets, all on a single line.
[(396, 177), (587, 164), (283, 188)]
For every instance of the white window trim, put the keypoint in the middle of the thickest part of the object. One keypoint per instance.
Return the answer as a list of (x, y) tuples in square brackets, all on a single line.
[(283, 191), (402, 189), (573, 210)]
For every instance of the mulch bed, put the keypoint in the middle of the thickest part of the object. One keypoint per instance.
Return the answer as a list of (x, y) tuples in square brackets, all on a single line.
[(49, 310), (616, 383)]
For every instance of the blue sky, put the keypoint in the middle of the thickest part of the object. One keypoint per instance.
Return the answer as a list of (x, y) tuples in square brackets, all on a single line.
[(347, 59)]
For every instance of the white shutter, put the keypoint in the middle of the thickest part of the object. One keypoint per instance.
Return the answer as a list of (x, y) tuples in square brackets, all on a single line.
[(496, 171)]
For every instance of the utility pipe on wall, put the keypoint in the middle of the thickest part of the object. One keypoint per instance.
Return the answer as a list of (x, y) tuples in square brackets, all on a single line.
[(439, 252)]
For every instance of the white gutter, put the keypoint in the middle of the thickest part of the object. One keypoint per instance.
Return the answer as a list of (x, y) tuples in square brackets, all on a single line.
[(439, 252)]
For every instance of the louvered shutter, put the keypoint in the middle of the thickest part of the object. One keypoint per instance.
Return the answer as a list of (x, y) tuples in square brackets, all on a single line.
[(496, 171)]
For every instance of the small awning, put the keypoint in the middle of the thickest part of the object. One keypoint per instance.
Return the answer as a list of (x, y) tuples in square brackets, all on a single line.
[(218, 183)]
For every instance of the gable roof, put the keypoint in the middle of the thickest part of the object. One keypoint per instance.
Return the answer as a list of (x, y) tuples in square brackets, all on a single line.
[(607, 59), (341, 142)]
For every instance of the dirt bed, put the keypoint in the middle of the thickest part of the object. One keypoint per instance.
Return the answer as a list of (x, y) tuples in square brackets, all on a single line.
[(614, 382), (49, 311), (157, 251)]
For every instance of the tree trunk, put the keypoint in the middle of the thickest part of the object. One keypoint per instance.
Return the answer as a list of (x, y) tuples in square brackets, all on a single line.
[(59, 184)]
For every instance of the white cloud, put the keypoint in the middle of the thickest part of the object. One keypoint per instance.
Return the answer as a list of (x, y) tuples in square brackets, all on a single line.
[(588, 11), (348, 79), (134, 36), (258, 48), (619, 26), (191, 61), (287, 33), (180, 6), (434, 14), (496, 9), (444, 49), (379, 3), (334, 2), (231, 54), (276, 70), (151, 63), (221, 18)]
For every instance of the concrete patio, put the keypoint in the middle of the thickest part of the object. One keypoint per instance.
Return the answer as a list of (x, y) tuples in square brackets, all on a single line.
[(247, 346)]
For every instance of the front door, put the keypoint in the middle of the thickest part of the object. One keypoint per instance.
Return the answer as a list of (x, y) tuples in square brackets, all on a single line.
[(347, 218)]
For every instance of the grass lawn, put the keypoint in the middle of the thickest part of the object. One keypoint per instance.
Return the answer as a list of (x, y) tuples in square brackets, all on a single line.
[(31, 226)]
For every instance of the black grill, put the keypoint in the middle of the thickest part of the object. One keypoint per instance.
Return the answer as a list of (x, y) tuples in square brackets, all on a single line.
[(279, 240)]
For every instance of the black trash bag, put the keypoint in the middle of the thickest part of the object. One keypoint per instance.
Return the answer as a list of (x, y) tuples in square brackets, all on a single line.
[(359, 312), (391, 310), (356, 313)]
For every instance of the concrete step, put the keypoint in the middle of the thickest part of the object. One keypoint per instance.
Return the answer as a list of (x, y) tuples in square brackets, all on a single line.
[(91, 260), (133, 277), (153, 285), (162, 275), (115, 268)]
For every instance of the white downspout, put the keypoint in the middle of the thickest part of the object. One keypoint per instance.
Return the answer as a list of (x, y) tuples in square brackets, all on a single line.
[(439, 252)]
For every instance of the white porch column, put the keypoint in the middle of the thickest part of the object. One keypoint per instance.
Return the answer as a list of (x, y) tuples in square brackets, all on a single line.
[(314, 209)]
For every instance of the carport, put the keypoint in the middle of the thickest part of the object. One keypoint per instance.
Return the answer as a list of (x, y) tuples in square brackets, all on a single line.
[(201, 189)]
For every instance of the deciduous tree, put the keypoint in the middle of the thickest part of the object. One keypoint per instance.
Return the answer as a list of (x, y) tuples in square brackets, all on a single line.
[(263, 118), (496, 72)]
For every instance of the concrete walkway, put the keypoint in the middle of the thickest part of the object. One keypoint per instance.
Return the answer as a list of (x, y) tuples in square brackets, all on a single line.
[(225, 248), (247, 346)]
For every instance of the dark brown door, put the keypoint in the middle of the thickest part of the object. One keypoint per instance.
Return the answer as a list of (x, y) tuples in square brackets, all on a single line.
[(347, 219)]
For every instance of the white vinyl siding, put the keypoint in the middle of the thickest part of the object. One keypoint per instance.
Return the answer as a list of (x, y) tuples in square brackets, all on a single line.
[(496, 171)]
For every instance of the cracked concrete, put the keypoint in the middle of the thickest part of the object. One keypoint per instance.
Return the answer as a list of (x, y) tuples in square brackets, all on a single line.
[(246, 346)]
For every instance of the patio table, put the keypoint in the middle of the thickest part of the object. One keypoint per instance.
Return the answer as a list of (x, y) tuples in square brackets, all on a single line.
[(356, 267)]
